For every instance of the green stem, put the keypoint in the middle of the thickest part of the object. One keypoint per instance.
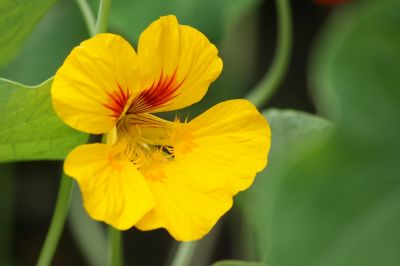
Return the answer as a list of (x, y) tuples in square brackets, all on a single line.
[(184, 254), (57, 222), (115, 246), (87, 15), (102, 16), (271, 81)]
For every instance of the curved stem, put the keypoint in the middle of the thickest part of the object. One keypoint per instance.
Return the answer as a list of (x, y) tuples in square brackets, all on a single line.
[(102, 16), (57, 222), (271, 81), (115, 246), (87, 15), (184, 254)]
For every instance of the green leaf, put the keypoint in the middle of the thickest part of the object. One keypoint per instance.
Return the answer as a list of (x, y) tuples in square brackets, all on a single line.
[(339, 205), (294, 134), (29, 128), (17, 20), (236, 263)]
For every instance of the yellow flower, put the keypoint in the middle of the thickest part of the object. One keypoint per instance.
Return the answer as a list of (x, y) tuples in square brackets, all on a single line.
[(152, 173)]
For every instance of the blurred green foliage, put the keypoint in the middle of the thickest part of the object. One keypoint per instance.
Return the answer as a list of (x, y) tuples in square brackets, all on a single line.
[(17, 20), (213, 18), (337, 203)]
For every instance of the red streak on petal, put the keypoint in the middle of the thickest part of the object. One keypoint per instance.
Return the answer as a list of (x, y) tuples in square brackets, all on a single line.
[(117, 101), (157, 95)]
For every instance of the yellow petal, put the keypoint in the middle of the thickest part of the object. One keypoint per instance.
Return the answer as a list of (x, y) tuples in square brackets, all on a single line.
[(91, 89), (227, 145), (186, 213), (216, 155), (113, 191), (178, 64)]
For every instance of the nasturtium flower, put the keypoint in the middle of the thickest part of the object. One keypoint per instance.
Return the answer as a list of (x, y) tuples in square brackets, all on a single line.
[(152, 173)]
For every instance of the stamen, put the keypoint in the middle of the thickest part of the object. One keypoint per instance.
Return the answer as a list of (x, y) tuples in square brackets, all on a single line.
[(133, 147), (181, 138)]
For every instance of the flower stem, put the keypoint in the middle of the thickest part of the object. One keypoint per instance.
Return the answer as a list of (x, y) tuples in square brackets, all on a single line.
[(87, 15), (271, 81), (115, 246), (184, 254), (57, 222), (102, 16)]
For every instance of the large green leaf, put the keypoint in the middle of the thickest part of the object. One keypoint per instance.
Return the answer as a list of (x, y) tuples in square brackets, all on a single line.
[(17, 19), (294, 134), (29, 128), (340, 205)]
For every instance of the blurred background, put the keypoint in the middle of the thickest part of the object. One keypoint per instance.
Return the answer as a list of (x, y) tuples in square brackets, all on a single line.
[(330, 195)]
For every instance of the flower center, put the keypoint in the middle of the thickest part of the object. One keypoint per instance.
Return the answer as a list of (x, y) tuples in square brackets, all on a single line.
[(150, 143), (142, 140)]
